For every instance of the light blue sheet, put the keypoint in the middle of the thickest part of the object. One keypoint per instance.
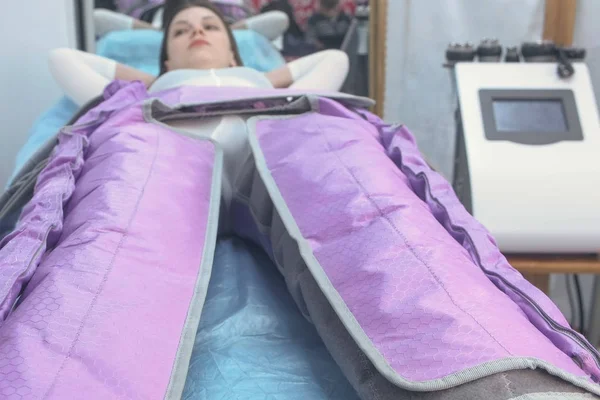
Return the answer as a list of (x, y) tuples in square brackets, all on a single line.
[(252, 342), (139, 49)]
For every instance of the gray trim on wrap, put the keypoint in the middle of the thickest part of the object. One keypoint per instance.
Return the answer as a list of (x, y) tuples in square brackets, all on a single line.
[(352, 325), (190, 327), (555, 396), (18, 193), (40, 155), (43, 153), (267, 230)]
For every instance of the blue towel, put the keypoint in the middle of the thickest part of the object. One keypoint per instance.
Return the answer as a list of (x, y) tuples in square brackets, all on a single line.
[(253, 343), (139, 49)]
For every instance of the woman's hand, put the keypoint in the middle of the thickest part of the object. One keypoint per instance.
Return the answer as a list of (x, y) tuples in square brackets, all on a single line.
[(325, 70), (138, 24), (83, 76), (280, 78), (126, 73), (239, 25)]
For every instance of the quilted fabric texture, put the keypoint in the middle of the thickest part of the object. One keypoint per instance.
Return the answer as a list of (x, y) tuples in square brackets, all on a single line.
[(103, 313), (414, 290), (41, 221)]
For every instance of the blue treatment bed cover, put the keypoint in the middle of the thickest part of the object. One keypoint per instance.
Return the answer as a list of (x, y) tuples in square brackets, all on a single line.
[(252, 343)]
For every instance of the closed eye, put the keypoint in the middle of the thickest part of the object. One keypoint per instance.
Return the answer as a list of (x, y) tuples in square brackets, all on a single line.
[(179, 32), (181, 27)]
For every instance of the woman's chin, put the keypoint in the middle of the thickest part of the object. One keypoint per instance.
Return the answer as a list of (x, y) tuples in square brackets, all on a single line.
[(205, 61)]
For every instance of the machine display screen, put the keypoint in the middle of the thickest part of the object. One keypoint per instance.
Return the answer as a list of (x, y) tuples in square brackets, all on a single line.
[(529, 115)]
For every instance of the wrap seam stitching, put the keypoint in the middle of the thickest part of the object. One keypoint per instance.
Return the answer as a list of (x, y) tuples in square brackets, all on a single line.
[(107, 273), (329, 147), (508, 384)]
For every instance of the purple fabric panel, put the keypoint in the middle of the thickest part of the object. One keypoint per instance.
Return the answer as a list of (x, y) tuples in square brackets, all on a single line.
[(118, 96), (413, 289), (104, 312), (336, 109), (445, 206), (40, 222)]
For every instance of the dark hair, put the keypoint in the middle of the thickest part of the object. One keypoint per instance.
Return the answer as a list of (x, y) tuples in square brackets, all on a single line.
[(329, 4), (172, 8)]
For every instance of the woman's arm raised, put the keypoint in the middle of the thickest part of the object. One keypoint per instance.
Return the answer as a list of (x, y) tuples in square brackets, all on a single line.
[(271, 24), (83, 76), (325, 70)]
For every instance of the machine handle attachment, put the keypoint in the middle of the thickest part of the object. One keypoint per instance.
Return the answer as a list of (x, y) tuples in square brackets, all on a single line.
[(565, 67)]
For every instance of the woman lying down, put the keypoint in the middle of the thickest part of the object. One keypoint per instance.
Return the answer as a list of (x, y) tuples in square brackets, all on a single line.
[(408, 292), (199, 50)]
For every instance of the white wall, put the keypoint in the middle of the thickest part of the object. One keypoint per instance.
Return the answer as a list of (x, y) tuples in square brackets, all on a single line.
[(418, 88), (30, 29), (587, 34)]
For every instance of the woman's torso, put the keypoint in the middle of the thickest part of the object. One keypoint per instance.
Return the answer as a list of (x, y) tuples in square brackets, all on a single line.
[(228, 131), (236, 77)]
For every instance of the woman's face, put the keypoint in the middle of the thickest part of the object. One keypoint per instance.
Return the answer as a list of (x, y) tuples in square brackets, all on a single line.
[(198, 39)]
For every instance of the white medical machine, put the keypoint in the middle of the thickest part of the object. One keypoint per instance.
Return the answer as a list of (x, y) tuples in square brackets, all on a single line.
[(528, 154)]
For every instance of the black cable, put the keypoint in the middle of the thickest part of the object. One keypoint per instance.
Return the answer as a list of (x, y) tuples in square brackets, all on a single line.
[(579, 303), (565, 70), (573, 316)]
